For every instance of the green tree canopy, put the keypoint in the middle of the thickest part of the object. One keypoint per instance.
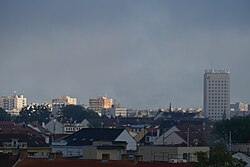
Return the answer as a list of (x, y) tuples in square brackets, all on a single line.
[(218, 157), (239, 127), (4, 116), (77, 113), (34, 113)]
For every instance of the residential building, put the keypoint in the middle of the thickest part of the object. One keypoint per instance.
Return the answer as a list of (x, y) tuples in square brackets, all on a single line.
[(241, 147), (239, 106), (55, 127), (184, 135), (13, 104), (66, 100), (114, 112), (239, 109), (73, 144), (105, 151), (216, 94), (59, 103), (15, 139), (243, 157), (70, 128), (99, 103), (173, 154)]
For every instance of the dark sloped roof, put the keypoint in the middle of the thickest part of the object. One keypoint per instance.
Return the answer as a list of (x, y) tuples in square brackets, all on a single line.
[(124, 121), (32, 141), (86, 136), (8, 160)]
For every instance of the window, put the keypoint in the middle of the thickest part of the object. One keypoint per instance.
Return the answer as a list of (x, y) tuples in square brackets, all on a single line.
[(105, 156), (185, 155)]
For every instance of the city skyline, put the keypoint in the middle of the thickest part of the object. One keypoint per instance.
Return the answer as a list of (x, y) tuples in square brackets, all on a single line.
[(145, 54)]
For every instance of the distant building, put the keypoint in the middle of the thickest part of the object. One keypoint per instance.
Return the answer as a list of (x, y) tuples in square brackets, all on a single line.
[(216, 94), (172, 154), (239, 106), (66, 100), (13, 104), (239, 109), (99, 103), (59, 103), (70, 128), (114, 112)]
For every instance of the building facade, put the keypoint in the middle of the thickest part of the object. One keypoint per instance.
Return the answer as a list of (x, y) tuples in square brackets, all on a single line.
[(114, 112), (173, 154), (66, 100), (13, 104), (100, 103), (59, 103), (239, 106), (216, 94)]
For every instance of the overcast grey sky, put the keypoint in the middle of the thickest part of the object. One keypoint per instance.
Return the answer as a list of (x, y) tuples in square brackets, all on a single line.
[(142, 53)]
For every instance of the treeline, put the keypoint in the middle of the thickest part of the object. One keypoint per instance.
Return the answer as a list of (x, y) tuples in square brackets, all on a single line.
[(239, 127), (41, 113)]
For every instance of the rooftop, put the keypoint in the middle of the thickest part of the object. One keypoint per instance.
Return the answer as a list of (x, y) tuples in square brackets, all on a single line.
[(216, 71)]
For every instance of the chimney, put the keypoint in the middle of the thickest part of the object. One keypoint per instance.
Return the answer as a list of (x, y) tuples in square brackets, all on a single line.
[(43, 124), (158, 132), (47, 139)]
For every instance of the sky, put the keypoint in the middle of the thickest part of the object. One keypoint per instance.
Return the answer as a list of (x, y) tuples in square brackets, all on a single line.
[(143, 53)]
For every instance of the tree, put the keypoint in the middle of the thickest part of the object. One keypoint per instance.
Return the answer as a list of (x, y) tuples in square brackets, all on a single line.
[(4, 116), (77, 113), (218, 157), (239, 128), (34, 113)]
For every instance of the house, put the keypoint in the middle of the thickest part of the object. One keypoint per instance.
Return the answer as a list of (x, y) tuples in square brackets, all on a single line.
[(173, 154), (148, 135), (55, 127), (105, 151), (243, 157), (192, 135), (21, 138), (70, 128), (241, 147), (72, 145)]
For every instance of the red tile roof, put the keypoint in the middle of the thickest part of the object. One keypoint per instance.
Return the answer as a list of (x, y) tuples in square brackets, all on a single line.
[(64, 162), (162, 164)]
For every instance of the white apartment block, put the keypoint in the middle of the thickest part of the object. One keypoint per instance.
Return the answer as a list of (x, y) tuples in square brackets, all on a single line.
[(216, 95), (114, 112), (13, 104)]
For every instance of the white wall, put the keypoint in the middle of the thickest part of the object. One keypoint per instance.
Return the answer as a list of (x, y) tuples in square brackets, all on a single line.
[(125, 136), (55, 127)]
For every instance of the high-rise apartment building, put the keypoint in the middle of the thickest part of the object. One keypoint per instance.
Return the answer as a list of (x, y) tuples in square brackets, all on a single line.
[(59, 103), (13, 104), (216, 95), (66, 100), (99, 103)]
